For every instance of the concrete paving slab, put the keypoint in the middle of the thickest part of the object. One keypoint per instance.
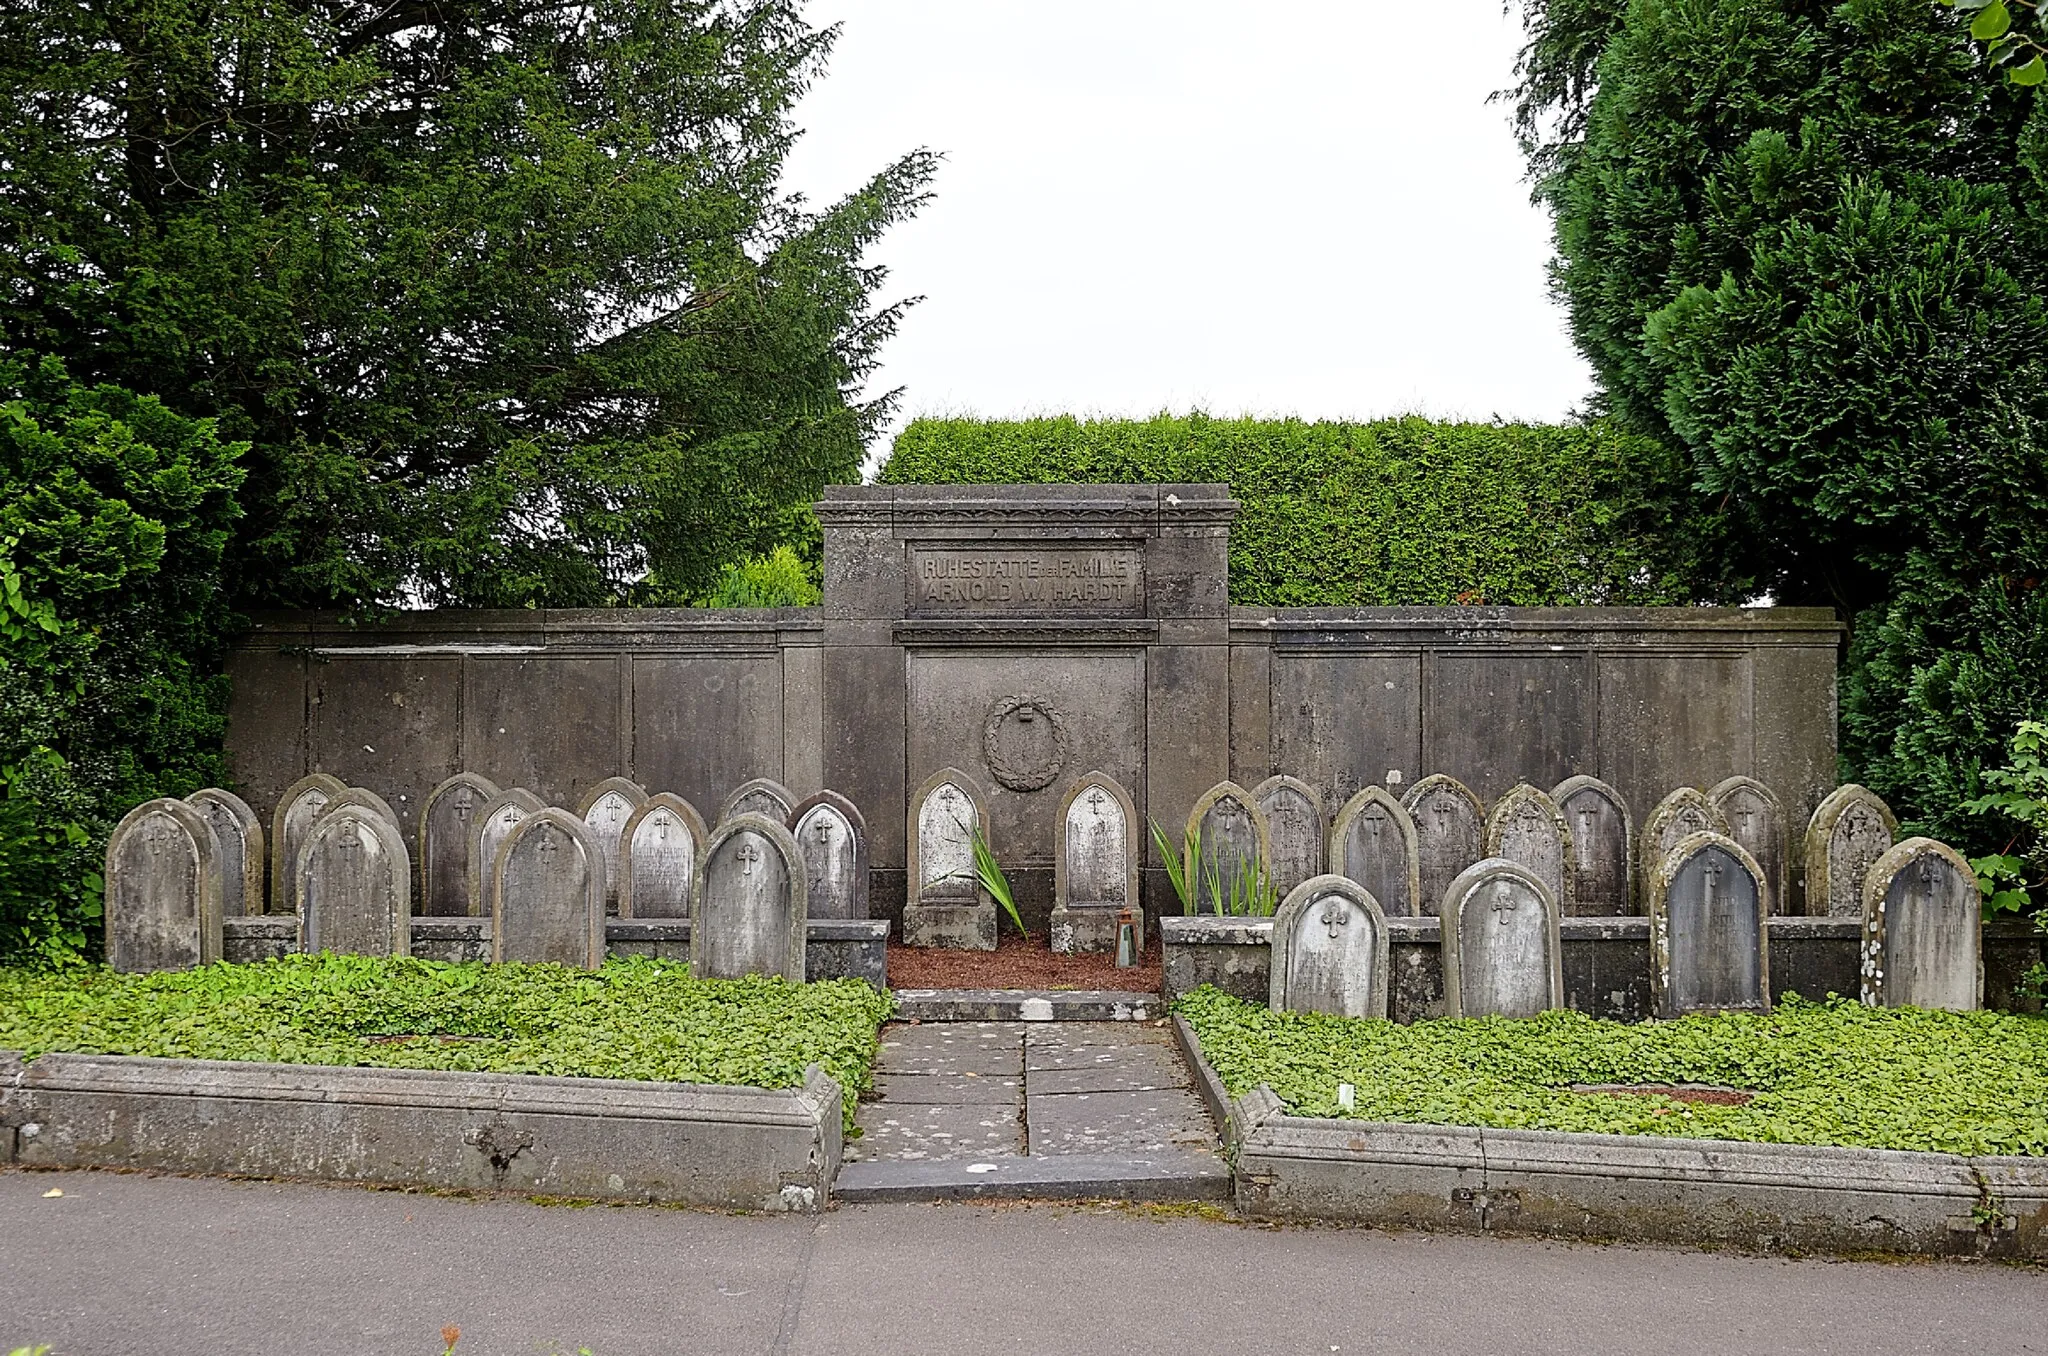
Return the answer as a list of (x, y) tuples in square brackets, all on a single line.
[(939, 1089), (1085, 1045), (1170, 1176), (929, 1132), (952, 1048), (1118, 1122)]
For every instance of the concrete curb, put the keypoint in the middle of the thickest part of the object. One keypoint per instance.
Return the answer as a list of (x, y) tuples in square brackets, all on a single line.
[(698, 1144), (1027, 1005), (1069, 1177)]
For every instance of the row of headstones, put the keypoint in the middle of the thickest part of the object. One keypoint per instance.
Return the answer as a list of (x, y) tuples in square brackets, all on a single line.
[(1578, 838), (1709, 936), (175, 869)]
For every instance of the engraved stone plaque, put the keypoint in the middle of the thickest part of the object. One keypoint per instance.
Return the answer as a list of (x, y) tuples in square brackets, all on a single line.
[(1026, 579)]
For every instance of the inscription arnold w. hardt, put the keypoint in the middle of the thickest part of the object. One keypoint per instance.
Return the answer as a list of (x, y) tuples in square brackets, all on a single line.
[(1027, 580)]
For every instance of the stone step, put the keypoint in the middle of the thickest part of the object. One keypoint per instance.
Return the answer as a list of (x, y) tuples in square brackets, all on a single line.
[(1027, 1005), (1067, 1177)]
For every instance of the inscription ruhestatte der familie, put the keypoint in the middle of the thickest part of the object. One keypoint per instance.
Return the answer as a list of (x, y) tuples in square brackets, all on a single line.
[(1027, 579)]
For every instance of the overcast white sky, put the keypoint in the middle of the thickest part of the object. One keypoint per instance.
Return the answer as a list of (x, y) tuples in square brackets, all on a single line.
[(1289, 207)]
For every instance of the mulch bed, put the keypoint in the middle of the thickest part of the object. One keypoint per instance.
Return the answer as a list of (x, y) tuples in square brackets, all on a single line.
[(1677, 1092), (1019, 963)]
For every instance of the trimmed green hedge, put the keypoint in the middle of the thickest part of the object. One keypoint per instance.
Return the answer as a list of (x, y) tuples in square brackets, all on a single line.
[(635, 1018), (1824, 1073), (1399, 511)]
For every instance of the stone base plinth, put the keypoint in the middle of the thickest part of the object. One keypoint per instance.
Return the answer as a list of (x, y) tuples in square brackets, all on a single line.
[(960, 927), (1086, 929)]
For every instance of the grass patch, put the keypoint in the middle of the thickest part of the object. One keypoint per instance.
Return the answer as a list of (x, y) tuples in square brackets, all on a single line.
[(636, 1018), (1823, 1073)]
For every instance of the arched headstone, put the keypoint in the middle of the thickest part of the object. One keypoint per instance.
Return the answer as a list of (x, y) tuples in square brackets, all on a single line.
[(1849, 831), (163, 889), (490, 827), (1450, 832), (1234, 846), (1922, 929), (1710, 945), (1680, 815), (760, 796), (605, 808), (1501, 952), (832, 838), (1373, 842), (300, 804), (1603, 847), (1526, 827), (361, 797), (660, 850), (1756, 820), (447, 836), (1329, 950), (1298, 825), (239, 835), (354, 885), (748, 916), (547, 892), (1094, 865), (947, 906)]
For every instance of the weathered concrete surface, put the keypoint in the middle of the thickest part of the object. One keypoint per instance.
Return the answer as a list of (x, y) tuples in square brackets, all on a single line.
[(1026, 1005), (743, 1148)]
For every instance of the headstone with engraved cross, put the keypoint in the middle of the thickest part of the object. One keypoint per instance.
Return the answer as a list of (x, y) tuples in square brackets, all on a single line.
[(833, 838), (164, 885), (547, 892), (1226, 850), (1603, 845), (660, 849), (1450, 833), (355, 885), (947, 906), (1330, 951), (1757, 821), (1922, 929), (1849, 831), (1501, 952), (749, 912), (297, 808), (1374, 843), (446, 868), (1686, 811), (489, 827), (1095, 865), (1709, 929), (759, 796), (240, 835), (605, 808), (1298, 825), (1526, 826)]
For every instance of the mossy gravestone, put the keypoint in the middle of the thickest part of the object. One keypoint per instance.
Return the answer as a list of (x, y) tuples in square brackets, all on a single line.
[(1225, 850), (1501, 952), (1756, 820), (296, 810), (548, 892), (164, 888), (1849, 831), (1329, 951), (1709, 929), (354, 886), (1603, 844), (749, 914), (762, 796), (1299, 828), (447, 840), (1095, 865), (490, 828), (1525, 826), (239, 835), (833, 839), (1450, 833), (1373, 843), (1922, 929), (659, 851), (1683, 813)]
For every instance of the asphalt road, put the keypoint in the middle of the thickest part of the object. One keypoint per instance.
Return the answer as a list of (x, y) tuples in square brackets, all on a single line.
[(131, 1264)]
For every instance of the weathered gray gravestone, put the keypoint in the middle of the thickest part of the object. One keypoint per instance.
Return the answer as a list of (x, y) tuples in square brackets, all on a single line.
[(832, 838), (761, 796), (355, 885), (1450, 832), (1095, 865), (748, 916), (361, 797), (239, 835), (1234, 843), (1683, 813), (296, 809), (1849, 831), (547, 892), (947, 906), (1922, 929), (660, 849), (1329, 950), (1603, 844), (1710, 945), (1525, 826), (1299, 827), (163, 889), (605, 808), (447, 837), (490, 827), (1756, 820), (1501, 953), (1373, 842)]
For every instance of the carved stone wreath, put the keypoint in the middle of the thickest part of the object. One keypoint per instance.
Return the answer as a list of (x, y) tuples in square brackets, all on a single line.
[(1009, 770)]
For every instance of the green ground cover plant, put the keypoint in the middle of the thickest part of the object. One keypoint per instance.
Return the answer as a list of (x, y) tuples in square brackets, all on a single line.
[(635, 1018), (1823, 1073)]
